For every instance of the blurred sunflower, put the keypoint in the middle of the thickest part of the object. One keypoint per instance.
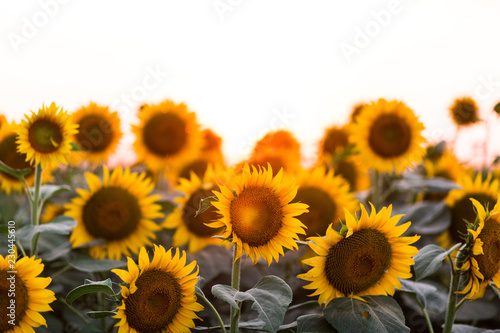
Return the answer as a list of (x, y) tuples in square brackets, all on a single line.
[(483, 264), (98, 133), (326, 195), (158, 296), (3, 121), (366, 259), (356, 111), (51, 211), (167, 134), (279, 140), (119, 211), (462, 209), (31, 295), (258, 215), (353, 172), (334, 141), (45, 136), (388, 136), (464, 111), (191, 229), (15, 160)]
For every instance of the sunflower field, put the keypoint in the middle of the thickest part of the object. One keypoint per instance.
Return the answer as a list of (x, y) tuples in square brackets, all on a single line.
[(384, 232)]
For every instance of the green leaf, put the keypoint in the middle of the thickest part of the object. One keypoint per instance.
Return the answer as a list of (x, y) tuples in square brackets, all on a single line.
[(92, 328), (166, 206), (75, 147), (205, 204), (428, 217), (378, 314), (19, 174), (225, 293), (90, 287), (314, 323), (433, 297), (100, 314), (47, 191), (417, 183), (4, 229), (88, 264), (458, 328), (271, 297), (429, 259), (479, 309), (496, 108), (62, 225)]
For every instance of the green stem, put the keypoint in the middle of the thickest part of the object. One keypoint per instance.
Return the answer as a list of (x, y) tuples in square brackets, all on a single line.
[(235, 283), (214, 310), (36, 207), (452, 297), (376, 190), (428, 320), (62, 270), (75, 311), (20, 247), (459, 305)]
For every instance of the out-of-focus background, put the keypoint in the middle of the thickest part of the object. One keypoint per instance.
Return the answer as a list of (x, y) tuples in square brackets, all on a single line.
[(247, 67)]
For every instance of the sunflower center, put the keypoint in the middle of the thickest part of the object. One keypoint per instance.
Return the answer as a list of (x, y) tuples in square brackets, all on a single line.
[(463, 210), (198, 167), (321, 213), (12, 288), (256, 215), (489, 262), (165, 134), (94, 133), (111, 213), (10, 156), (335, 139), (196, 224), (45, 136), (155, 303), (390, 136), (358, 262)]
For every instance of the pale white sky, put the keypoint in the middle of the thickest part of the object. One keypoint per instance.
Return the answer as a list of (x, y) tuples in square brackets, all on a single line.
[(247, 66)]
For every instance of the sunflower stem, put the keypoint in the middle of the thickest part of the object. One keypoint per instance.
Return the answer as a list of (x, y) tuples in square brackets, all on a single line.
[(75, 311), (376, 190), (214, 310), (428, 320), (454, 283), (36, 207), (235, 283)]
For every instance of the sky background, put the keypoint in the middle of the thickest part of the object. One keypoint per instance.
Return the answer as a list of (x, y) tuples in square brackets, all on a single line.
[(246, 67)]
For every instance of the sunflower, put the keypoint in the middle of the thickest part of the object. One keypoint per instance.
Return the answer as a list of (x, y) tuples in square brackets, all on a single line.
[(158, 296), (51, 211), (45, 137), (483, 263), (464, 111), (167, 134), (258, 215), (98, 135), (356, 111), (335, 139), (462, 209), (353, 172), (326, 195), (191, 229), (119, 211), (278, 140), (388, 136), (366, 259), (3, 121), (31, 297), (15, 160)]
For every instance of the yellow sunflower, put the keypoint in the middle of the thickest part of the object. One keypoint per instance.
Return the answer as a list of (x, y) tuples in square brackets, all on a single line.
[(278, 140), (326, 194), (464, 111), (258, 215), (98, 133), (191, 229), (16, 160), (159, 296), (462, 209), (356, 111), (119, 211), (167, 134), (45, 136), (51, 211), (30, 296), (3, 121), (388, 136), (483, 263), (335, 139), (353, 172), (367, 259)]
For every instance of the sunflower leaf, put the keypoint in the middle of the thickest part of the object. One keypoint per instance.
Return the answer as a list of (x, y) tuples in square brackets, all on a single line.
[(460, 328), (47, 191), (19, 174), (429, 259), (428, 217), (480, 309), (432, 297), (90, 287), (417, 183), (88, 264), (377, 314), (75, 147), (225, 293), (271, 297), (314, 323), (205, 204), (100, 314), (62, 225)]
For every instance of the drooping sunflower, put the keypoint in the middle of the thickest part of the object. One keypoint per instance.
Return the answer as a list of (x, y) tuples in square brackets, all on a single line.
[(119, 211), (483, 264), (464, 111), (388, 136), (159, 296), (98, 133), (16, 160), (191, 229), (258, 215), (367, 258), (167, 134), (45, 136), (335, 139), (485, 191), (31, 296), (326, 195)]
